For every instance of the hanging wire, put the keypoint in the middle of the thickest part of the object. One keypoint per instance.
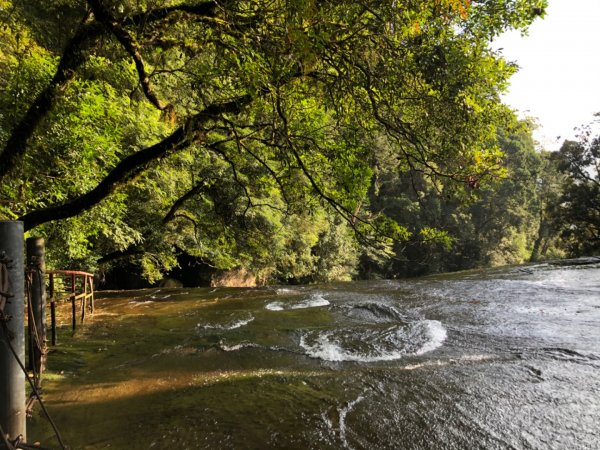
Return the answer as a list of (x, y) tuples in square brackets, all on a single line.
[(17, 444), (38, 341), (7, 443), (29, 380), (6, 333)]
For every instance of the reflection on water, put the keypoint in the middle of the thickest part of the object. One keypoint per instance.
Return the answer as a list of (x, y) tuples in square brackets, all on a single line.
[(504, 359)]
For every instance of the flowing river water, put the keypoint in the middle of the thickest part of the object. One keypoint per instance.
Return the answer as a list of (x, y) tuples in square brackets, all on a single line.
[(499, 359)]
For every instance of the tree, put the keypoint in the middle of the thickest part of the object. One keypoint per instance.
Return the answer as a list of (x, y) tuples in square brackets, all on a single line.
[(578, 208), (286, 100), (506, 215), (549, 186), (499, 222)]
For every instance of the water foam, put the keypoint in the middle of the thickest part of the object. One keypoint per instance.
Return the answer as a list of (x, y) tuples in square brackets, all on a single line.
[(136, 304), (335, 419), (436, 334), (275, 306), (344, 413), (284, 291), (374, 344), (314, 301), (232, 325), (234, 348)]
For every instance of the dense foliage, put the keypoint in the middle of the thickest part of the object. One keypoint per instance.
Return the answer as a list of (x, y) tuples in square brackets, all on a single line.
[(577, 211), (300, 140)]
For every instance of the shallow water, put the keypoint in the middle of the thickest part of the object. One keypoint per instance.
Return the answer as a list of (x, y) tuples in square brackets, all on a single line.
[(503, 359)]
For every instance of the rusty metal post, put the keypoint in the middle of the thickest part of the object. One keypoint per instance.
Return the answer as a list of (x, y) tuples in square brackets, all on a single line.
[(29, 331), (73, 306), (83, 298), (53, 319), (92, 295), (12, 330), (52, 309), (37, 327)]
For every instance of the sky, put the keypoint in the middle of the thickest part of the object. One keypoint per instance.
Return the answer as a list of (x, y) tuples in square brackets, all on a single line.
[(558, 82)]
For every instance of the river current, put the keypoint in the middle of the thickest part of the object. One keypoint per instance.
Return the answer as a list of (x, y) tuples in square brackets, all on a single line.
[(499, 359)]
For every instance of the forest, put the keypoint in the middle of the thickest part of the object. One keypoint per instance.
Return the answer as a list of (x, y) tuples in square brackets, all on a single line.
[(291, 141)]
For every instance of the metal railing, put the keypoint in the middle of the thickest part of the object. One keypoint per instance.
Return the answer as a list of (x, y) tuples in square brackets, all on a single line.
[(73, 286)]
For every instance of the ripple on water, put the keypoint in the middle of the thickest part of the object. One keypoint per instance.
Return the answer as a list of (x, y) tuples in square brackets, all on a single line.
[(226, 326), (376, 312)]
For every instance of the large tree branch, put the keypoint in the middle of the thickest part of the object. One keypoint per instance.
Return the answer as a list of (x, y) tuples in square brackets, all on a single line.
[(196, 189), (134, 164), (73, 56)]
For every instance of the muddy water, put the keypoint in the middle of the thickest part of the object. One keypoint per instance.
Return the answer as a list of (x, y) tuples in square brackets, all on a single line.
[(505, 359)]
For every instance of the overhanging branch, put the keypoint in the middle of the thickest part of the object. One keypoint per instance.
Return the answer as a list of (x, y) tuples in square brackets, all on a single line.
[(136, 163), (73, 56), (196, 189)]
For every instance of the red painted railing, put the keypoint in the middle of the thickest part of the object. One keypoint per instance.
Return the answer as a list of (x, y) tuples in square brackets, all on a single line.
[(77, 286)]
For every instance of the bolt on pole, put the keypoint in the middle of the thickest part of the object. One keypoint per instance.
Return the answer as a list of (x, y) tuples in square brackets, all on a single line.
[(12, 332)]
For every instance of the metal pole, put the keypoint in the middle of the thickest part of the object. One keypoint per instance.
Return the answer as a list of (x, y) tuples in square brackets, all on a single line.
[(30, 339), (92, 297), (84, 298), (12, 332), (52, 309), (73, 310), (37, 266)]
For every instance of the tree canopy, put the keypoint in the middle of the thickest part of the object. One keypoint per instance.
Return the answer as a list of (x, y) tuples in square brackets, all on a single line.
[(237, 131)]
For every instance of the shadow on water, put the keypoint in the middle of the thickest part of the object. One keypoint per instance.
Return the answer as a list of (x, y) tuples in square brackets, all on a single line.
[(502, 359)]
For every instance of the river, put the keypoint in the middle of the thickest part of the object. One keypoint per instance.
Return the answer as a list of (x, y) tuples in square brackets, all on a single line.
[(498, 359)]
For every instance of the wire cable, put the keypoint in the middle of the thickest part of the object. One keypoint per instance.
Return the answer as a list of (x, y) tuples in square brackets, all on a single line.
[(7, 443), (6, 333), (31, 383)]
